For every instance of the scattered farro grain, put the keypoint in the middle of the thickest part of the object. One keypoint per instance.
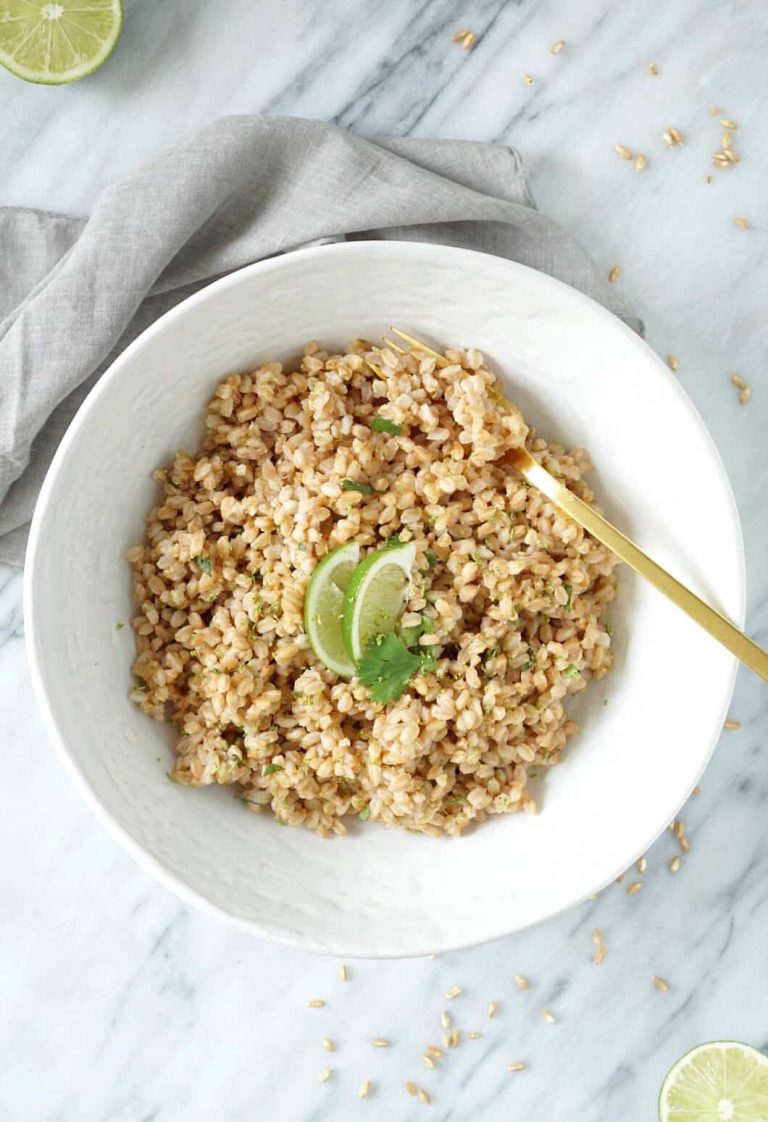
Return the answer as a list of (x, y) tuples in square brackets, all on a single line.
[(614, 273), (684, 844), (325, 1075), (521, 982), (743, 223), (548, 1016), (431, 1050), (669, 136), (491, 1009), (454, 991), (466, 38), (640, 162), (423, 1097), (365, 1087), (745, 395), (327, 1044), (380, 1042), (597, 937), (474, 1035), (343, 972), (446, 1039), (720, 160), (740, 384), (634, 887), (653, 69), (316, 1003), (428, 1062), (598, 956), (454, 1038), (674, 864), (642, 865), (619, 879), (731, 156), (707, 178), (660, 983), (517, 1066), (716, 111), (725, 142), (528, 79), (727, 123), (445, 1019), (411, 1088), (679, 828), (673, 362), (557, 47), (623, 151), (696, 790)]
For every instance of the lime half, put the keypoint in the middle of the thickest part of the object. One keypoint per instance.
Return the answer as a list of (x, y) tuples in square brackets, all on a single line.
[(719, 1082), (58, 42), (323, 605), (374, 596)]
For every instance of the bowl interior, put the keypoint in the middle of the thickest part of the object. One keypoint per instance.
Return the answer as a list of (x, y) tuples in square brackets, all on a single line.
[(582, 378)]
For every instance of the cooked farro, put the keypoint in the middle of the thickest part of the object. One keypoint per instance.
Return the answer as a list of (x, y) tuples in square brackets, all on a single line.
[(517, 594)]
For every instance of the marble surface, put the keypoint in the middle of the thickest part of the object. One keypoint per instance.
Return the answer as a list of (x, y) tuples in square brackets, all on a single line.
[(122, 1004)]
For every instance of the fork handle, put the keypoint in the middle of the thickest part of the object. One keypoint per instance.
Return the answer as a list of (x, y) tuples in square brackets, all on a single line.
[(707, 617)]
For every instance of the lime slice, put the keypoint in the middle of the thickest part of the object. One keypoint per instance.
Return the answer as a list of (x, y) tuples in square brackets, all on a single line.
[(59, 42), (374, 596), (323, 605), (719, 1082)]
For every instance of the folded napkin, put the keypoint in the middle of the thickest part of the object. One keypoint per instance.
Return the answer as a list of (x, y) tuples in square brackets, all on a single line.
[(75, 292)]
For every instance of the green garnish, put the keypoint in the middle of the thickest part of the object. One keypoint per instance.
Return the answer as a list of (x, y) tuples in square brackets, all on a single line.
[(364, 814), (411, 636), (381, 424), (571, 671), (569, 589), (430, 558), (203, 563), (386, 667), (119, 626), (362, 488), (270, 769)]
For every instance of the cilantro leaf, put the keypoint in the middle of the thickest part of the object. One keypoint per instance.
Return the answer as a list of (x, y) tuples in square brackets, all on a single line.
[(203, 563), (411, 636), (386, 667), (270, 769), (571, 671), (363, 488), (569, 589), (364, 814), (430, 558), (381, 424)]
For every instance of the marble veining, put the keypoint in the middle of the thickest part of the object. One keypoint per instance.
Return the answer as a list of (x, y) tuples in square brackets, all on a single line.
[(122, 1004)]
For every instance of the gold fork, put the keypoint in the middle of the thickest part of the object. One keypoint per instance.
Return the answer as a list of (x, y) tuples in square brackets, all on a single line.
[(707, 617)]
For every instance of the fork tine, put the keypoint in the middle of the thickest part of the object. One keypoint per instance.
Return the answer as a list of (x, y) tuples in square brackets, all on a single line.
[(440, 359), (395, 346)]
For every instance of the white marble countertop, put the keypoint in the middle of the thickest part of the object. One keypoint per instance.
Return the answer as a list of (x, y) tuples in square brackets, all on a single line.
[(122, 1004)]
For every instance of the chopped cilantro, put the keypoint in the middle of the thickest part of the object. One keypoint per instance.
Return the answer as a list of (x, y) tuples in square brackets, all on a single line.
[(571, 671), (381, 424), (569, 589), (386, 667), (411, 636), (203, 563), (363, 488), (364, 814), (270, 769), (430, 558)]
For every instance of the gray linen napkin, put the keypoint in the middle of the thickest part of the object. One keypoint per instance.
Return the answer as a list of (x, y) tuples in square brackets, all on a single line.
[(74, 292)]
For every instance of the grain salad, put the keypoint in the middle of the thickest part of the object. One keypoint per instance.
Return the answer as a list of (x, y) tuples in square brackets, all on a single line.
[(514, 594)]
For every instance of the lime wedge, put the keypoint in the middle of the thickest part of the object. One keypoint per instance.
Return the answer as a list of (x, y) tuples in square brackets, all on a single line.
[(374, 596), (323, 605), (719, 1082), (58, 42)]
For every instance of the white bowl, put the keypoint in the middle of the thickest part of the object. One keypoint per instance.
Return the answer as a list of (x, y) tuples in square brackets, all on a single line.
[(583, 378)]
